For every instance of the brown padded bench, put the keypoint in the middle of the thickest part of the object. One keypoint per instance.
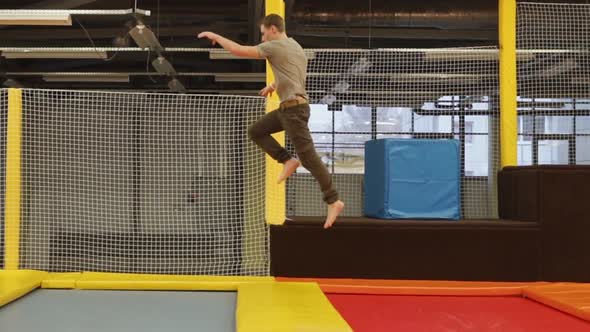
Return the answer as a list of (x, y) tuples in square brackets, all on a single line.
[(543, 234), (500, 250)]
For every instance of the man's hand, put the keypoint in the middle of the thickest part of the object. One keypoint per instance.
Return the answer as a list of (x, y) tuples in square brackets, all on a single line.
[(267, 91), (209, 35)]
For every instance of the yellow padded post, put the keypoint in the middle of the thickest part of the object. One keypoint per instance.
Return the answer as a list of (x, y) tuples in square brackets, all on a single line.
[(508, 86), (13, 180), (275, 193)]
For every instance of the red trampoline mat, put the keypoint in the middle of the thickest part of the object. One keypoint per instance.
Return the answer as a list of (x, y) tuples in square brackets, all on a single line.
[(376, 313)]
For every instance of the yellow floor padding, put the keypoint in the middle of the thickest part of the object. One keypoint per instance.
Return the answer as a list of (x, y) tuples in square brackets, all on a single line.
[(286, 306), (120, 281), (17, 283), (61, 280)]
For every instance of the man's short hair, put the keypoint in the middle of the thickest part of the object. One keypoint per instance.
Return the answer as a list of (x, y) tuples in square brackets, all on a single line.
[(274, 19)]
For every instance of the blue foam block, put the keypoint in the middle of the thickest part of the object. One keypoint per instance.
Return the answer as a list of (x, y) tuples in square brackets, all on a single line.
[(412, 179)]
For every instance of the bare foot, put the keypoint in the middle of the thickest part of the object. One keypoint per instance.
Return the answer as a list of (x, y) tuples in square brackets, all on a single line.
[(334, 210), (288, 168)]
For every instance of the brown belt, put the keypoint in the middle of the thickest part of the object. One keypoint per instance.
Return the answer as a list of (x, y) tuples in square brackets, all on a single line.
[(293, 102)]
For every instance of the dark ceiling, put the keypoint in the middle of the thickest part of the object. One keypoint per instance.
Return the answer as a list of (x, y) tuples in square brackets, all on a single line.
[(315, 24)]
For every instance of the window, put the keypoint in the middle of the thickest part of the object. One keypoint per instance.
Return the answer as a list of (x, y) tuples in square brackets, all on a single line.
[(353, 129), (340, 135), (468, 130)]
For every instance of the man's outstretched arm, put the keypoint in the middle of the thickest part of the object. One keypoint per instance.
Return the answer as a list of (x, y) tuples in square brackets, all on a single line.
[(234, 48)]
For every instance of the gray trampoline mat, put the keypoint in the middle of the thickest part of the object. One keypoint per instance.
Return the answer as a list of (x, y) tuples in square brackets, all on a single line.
[(104, 310)]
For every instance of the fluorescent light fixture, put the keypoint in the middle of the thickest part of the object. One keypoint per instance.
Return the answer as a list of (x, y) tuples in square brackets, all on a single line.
[(55, 16), (145, 38), (12, 83), (80, 77), (176, 86), (31, 17), (240, 77), (564, 66), (30, 54), (163, 66)]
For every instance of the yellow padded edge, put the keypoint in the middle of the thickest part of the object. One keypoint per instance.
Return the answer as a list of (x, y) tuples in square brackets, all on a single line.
[(286, 306), (95, 280), (17, 283), (573, 298), (61, 280)]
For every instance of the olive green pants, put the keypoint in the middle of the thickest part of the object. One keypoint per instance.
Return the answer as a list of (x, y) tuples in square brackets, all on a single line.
[(293, 120)]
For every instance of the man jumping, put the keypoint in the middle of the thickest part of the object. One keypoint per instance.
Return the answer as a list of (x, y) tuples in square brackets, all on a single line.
[(289, 65)]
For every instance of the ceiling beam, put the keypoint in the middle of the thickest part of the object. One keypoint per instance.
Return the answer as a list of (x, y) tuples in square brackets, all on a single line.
[(398, 33), (110, 32), (59, 4)]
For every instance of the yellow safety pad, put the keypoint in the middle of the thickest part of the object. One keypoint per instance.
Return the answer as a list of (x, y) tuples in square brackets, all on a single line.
[(95, 280), (61, 280), (17, 283), (286, 306)]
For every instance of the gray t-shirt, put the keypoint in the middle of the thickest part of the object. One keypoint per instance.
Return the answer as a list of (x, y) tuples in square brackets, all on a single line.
[(289, 66)]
